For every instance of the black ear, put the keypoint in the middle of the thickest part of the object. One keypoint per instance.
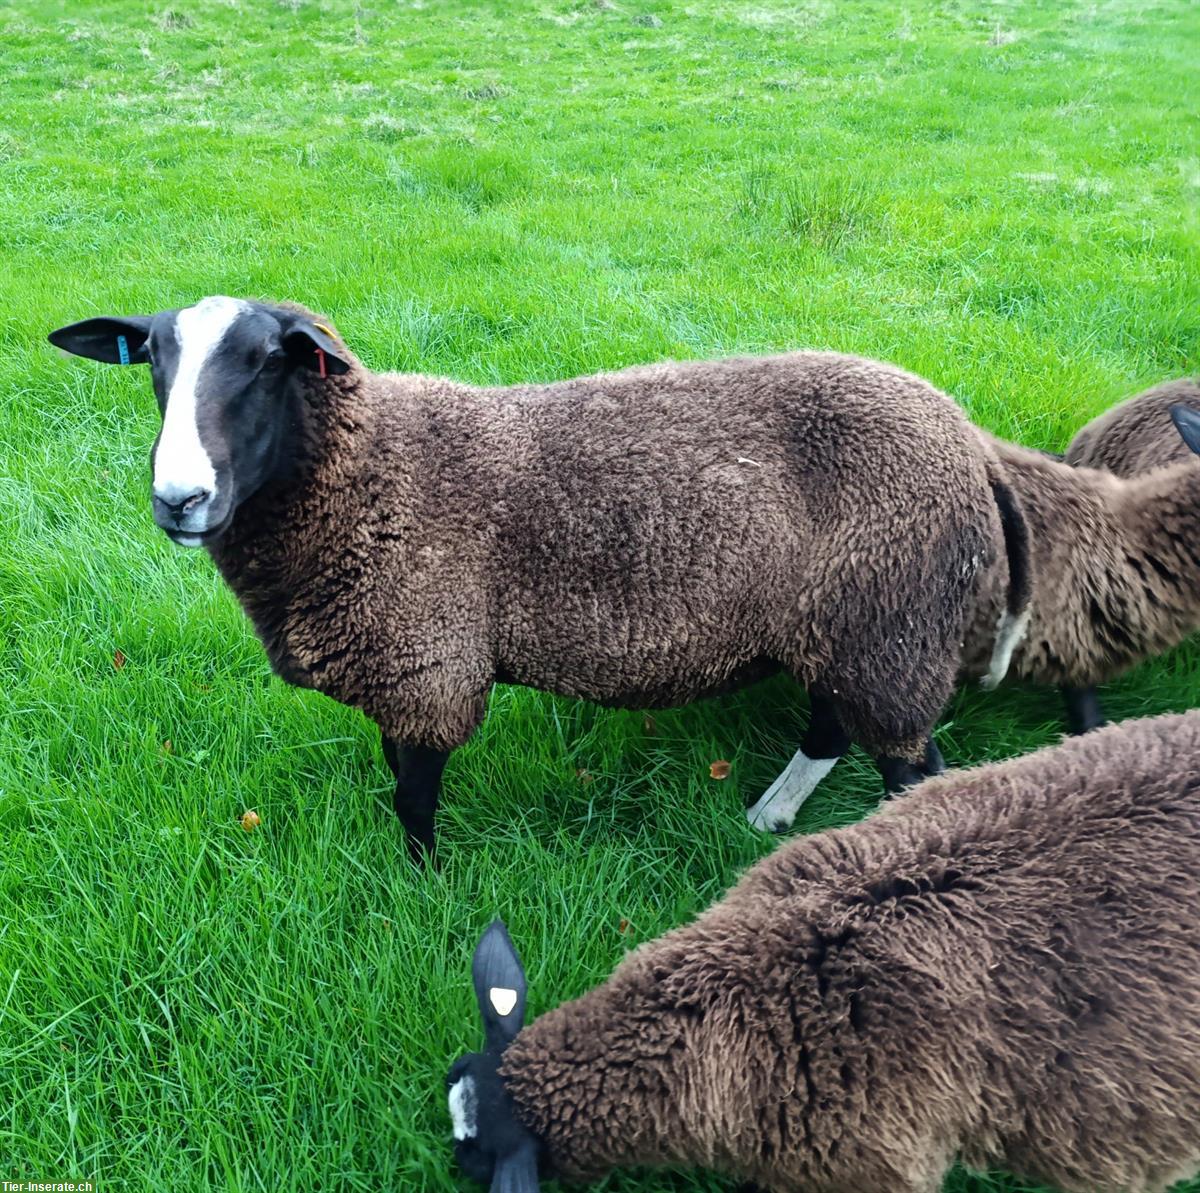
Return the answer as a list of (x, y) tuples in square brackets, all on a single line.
[(312, 345), (499, 986), (1187, 423), (112, 340)]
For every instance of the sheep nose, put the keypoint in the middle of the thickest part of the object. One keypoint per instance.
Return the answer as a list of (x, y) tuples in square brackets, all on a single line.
[(175, 505)]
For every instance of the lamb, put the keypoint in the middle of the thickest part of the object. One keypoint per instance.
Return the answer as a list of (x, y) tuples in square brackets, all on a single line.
[(1002, 967), (639, 538), (1115, 564)]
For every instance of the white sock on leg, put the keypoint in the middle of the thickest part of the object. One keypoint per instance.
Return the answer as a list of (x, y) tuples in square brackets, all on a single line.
[(778, 805)]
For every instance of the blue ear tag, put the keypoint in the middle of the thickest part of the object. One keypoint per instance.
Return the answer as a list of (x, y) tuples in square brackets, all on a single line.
[(123, 349)]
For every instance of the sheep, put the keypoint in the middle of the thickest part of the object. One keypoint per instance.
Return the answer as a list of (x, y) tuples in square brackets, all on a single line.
[(1136, 436), (1001, 967), (1132, 438), (640, 538), (1115, 566)]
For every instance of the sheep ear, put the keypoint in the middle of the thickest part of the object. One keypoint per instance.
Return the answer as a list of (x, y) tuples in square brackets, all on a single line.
[(499, 986), (312, 345), (1187, 423), (111, 340), (517, 1172)]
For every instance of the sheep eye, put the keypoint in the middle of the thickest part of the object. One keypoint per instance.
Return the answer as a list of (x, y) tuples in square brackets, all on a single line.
[(274, 360)]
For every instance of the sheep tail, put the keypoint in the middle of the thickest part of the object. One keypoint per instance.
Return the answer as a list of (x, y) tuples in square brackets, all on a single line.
[(1014, 621)]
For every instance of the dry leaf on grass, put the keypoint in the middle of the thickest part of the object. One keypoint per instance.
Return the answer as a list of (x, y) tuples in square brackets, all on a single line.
[(251, 820), (719, 769), (118, 659)]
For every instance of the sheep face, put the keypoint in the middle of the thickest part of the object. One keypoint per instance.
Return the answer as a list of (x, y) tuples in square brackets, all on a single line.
[(223, 372), (488, 1138), (490, 1143)]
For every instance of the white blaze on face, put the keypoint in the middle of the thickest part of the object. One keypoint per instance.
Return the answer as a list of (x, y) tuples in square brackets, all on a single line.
[(463, 1108), (181, 465)]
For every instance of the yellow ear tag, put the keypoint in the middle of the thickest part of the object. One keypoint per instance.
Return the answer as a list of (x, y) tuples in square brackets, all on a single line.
[(503, 999), (321, 327)]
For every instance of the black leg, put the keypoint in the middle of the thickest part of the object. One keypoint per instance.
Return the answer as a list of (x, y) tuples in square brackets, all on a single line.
[(934, 762), (1083, 710), (391, 755), (418, 771), (898, 774), (824, 737)]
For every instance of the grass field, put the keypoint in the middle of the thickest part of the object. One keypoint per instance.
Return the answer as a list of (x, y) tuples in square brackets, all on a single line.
[(1000, 196)]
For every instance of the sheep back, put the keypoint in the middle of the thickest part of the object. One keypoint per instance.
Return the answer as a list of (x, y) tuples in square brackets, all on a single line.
[(641, 538), (1136, 436), (1003, 965)]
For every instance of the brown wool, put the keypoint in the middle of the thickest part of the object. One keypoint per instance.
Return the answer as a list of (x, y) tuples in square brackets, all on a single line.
[(1136, 436), (1003, 966), (639, 538), (1115, 553)]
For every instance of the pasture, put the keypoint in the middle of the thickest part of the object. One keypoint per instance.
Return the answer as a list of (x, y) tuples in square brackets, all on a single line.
[(1001, 196)]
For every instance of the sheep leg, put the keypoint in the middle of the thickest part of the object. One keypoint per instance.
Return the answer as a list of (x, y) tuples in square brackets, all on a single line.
[(1083, 710), (893, 721), (418, 773), (901, 773), (935, 764), (898, 774), (824, 742)]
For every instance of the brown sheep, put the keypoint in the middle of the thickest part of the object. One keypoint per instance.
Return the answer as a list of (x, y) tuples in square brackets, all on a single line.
[(1000, 968), (1136, 436), (1115, 560), (1132, 438), (643, 538)]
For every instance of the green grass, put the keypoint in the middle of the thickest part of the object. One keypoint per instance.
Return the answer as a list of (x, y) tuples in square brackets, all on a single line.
[(1000, 196)]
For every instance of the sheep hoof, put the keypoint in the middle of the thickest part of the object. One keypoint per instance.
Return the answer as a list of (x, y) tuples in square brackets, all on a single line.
[(768, 820)]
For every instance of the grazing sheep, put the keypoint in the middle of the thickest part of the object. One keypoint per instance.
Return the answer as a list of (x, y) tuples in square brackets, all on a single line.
[(1136, 436), (1001, 968), (1115, 563), (640, 538), (1132, 438)]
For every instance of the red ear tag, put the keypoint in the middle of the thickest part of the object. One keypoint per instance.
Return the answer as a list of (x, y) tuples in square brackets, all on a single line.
[(321, 361)]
